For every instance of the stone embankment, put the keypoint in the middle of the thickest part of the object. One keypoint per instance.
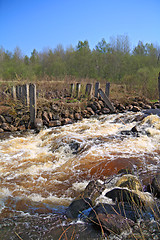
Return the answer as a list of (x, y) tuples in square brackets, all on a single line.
[(14, 117)]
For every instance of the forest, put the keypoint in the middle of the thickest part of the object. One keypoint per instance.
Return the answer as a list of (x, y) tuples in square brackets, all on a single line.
[(114, 61)]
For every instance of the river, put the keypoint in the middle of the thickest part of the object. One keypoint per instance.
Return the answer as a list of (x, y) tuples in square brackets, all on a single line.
[(42, 173)]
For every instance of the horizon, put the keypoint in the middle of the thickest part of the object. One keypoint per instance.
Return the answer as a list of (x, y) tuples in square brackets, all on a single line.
[(45, 25)]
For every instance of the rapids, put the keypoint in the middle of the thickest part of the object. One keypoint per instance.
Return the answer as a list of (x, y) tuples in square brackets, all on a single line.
[(42, 173)]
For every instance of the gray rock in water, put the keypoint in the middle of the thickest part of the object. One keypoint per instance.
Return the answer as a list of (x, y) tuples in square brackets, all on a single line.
[(77, 206)]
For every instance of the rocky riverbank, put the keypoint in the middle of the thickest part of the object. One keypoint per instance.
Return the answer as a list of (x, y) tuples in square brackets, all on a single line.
[(15, 117), (120, 207)]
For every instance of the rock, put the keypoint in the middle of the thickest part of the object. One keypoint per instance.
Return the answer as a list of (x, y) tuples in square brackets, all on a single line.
[(74, 146), (129, 181), (97, 104), (134, 132), (65, 114), (21, 128), (93, 190), (121, 107), (101, 103), (105, 111), (55, 107), (5, 126), (9, 119), (77, 116), (136, 109), (66, 121), (2, 119), (1, 130), (124, 209), (50, 116), (130, 107), (54, 123), (115, 223), (147, 106), (45, 116), (155, 185), (90, 111), (134, 198), (77, 206), (94, 108)]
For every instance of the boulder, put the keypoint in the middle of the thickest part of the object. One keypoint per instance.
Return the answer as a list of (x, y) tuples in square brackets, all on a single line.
[(93, 190), (134, 197), (124, 209), (74, 146), (115, 223), (78, 206), (129, 181)]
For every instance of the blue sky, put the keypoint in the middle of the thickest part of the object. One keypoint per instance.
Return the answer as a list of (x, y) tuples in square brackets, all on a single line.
[(43, 24)]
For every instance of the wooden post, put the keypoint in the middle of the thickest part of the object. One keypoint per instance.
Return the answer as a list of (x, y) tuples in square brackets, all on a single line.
[(159, 86), (72, 89), (25, 94), (89, 88), (107, 89), (97, 86), (14, 93), (17, 92), (20, 92), (33, 103), (106, 100), (78, 87)]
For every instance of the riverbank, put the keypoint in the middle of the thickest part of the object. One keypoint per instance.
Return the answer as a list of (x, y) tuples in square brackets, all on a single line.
[(53, 112)]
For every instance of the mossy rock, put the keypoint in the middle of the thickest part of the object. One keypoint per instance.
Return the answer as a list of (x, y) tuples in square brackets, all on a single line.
[(129, 181)]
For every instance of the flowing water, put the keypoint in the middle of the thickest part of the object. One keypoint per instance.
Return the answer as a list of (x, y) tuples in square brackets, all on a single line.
[(40, 174)]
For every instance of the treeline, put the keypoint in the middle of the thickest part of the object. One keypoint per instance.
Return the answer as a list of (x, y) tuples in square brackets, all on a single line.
[(114, 61)]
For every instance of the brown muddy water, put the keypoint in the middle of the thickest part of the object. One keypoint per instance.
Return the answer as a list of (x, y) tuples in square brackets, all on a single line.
[(40, 174)]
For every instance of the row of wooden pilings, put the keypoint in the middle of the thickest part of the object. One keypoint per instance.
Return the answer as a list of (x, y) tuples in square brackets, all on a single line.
[(27, 94), (76, 89)]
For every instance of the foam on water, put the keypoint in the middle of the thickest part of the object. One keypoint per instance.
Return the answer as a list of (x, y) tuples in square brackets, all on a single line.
[(56, 164)]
